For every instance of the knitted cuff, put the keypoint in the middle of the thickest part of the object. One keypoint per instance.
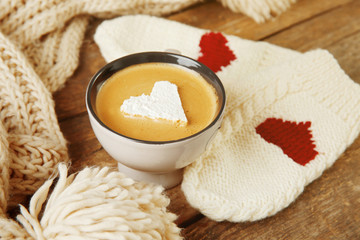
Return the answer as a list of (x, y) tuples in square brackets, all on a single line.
[(288, 115)]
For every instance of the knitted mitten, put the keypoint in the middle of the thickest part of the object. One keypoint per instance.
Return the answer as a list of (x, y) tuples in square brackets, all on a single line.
[(288, 116)]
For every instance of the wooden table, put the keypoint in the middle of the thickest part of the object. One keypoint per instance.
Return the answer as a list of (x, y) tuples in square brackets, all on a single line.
[(329, 208)]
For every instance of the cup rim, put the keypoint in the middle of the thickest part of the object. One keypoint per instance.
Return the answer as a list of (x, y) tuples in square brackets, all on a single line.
[(106, 67)]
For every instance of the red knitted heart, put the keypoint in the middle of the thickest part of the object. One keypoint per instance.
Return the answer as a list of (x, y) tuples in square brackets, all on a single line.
[(295, 139), (215, 52)]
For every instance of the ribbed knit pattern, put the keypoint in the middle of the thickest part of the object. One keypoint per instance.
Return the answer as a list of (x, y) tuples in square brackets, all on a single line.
[(288, 116)]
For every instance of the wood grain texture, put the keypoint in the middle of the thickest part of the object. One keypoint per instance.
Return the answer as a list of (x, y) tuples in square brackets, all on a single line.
[(214, 17), (328, 207), (321, 31)]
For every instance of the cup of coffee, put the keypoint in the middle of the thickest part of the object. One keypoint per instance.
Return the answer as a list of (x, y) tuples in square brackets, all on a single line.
[(155, 113)]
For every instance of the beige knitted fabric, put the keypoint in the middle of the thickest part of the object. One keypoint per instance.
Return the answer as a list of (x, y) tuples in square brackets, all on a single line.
[(288, 115), (33, 143)]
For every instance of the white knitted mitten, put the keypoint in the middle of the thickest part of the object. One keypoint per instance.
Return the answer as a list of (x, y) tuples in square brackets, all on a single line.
[(288, 116)]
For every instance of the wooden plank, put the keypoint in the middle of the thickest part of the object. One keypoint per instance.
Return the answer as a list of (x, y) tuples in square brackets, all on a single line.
[(337, 31), (98, 158), (178, 205), (214, 17), (347, 54), (321, 31), (82, 141)]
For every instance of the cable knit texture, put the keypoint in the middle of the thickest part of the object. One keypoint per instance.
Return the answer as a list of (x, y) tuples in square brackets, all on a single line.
[(288, 117)]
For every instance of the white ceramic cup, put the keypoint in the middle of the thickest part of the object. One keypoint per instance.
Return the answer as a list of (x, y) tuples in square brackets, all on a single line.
[(160, 162)]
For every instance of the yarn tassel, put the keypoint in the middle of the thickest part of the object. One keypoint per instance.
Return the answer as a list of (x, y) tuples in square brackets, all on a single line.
[(98, 203)]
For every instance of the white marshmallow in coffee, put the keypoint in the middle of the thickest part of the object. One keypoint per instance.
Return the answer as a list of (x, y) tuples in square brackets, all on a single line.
[(163, 103)]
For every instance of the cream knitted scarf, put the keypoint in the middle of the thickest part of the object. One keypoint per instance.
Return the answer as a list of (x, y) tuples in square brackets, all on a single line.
[(39, 49)]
